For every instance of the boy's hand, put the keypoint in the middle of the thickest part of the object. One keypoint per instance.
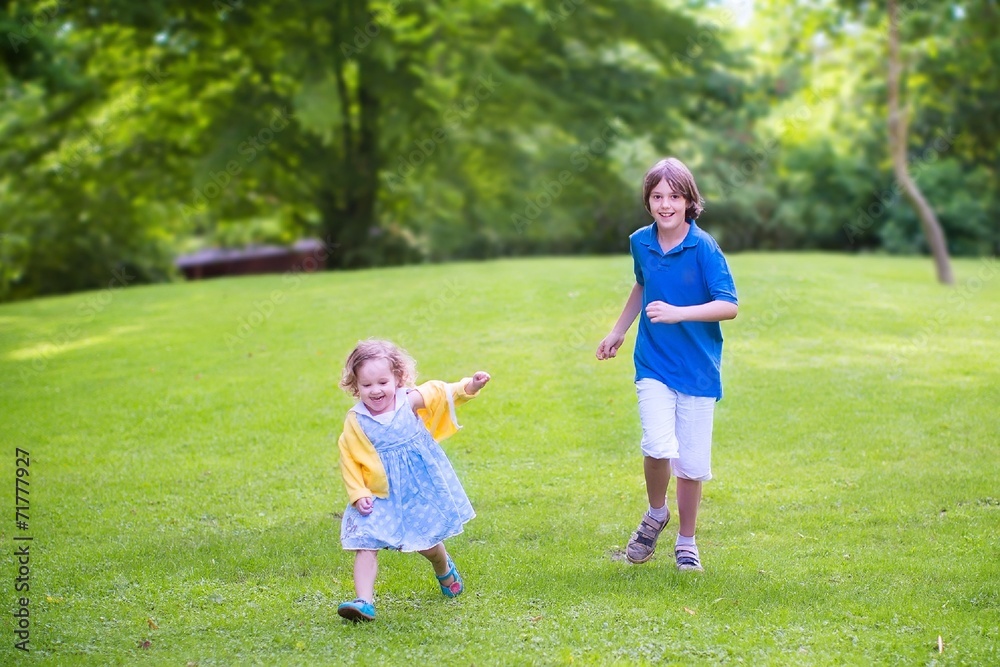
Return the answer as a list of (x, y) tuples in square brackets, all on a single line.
[(661, 312), (608, 347), (478, 381), (364, 505)]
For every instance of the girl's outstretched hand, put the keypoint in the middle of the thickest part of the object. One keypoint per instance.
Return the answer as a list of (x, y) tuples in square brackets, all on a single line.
[(478, 381), (364, 505)]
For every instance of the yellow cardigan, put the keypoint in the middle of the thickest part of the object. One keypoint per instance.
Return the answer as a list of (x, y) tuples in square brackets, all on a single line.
[(360, 465)]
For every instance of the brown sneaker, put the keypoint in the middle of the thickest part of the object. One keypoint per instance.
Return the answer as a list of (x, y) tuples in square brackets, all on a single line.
[(642, 544)]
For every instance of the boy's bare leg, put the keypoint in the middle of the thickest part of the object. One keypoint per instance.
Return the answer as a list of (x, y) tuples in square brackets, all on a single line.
[(657, 479), (688, 501), (642, 544)]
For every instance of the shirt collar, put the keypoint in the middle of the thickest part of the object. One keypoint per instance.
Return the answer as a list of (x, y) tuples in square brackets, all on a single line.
[(648, 238), (362, 409)]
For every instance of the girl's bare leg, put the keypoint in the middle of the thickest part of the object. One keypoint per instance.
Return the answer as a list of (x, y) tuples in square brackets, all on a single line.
[(438, 556), (365, 569)]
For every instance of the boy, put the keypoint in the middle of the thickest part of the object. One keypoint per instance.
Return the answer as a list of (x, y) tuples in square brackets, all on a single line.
[(683, 289)]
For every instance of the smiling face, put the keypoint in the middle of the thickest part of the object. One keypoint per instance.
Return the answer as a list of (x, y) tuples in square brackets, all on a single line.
[(668, 208), (377, 385)]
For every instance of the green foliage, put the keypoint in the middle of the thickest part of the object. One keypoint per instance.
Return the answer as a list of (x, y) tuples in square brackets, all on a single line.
[(81, 187), (400, 131), (831, 175), (185, 495), (405, 131), (966, 205)]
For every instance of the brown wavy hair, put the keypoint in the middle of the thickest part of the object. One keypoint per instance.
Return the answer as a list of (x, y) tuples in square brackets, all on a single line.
[(680, 180), (404, 368)]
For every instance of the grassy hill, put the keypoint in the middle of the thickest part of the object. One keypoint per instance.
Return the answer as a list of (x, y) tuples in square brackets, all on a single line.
[(185, 498)]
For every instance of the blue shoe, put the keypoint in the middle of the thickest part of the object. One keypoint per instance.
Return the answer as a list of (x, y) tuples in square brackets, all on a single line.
[(357, 610), (455, 588)]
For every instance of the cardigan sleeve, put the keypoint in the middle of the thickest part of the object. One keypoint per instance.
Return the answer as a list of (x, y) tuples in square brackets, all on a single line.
[(440, 400)]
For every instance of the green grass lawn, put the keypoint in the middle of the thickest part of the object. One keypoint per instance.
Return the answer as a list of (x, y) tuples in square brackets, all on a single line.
[(185, 496)]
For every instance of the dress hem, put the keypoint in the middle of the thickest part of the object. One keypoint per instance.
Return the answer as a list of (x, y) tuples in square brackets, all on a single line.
[(410, 549)]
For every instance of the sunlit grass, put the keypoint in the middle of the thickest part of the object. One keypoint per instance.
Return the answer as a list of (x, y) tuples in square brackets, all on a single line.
[(185, 493)]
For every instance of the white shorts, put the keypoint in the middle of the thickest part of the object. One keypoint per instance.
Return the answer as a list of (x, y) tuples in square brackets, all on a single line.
[(678, 427)]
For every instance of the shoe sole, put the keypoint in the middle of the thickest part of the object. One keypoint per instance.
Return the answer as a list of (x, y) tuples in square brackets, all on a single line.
[(638, 562), (354, 614)]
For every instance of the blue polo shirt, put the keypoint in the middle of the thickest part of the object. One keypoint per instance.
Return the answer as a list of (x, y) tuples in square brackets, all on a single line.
[(687, 356)]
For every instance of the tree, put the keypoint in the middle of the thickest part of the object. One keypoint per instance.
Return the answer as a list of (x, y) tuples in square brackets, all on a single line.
[(898, 148), (829, 182), (394, 129)]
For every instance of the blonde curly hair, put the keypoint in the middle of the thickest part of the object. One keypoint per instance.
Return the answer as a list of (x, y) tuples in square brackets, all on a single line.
[(404, 368)]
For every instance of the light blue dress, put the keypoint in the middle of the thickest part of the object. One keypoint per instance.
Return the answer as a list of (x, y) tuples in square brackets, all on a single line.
[(426, 502)]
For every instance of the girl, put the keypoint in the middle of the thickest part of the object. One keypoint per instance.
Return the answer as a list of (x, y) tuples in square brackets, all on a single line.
[(403, 493), (683, 289)]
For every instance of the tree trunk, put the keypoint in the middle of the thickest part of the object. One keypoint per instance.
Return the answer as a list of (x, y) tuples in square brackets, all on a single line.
[(348, 207), (897, 148)]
